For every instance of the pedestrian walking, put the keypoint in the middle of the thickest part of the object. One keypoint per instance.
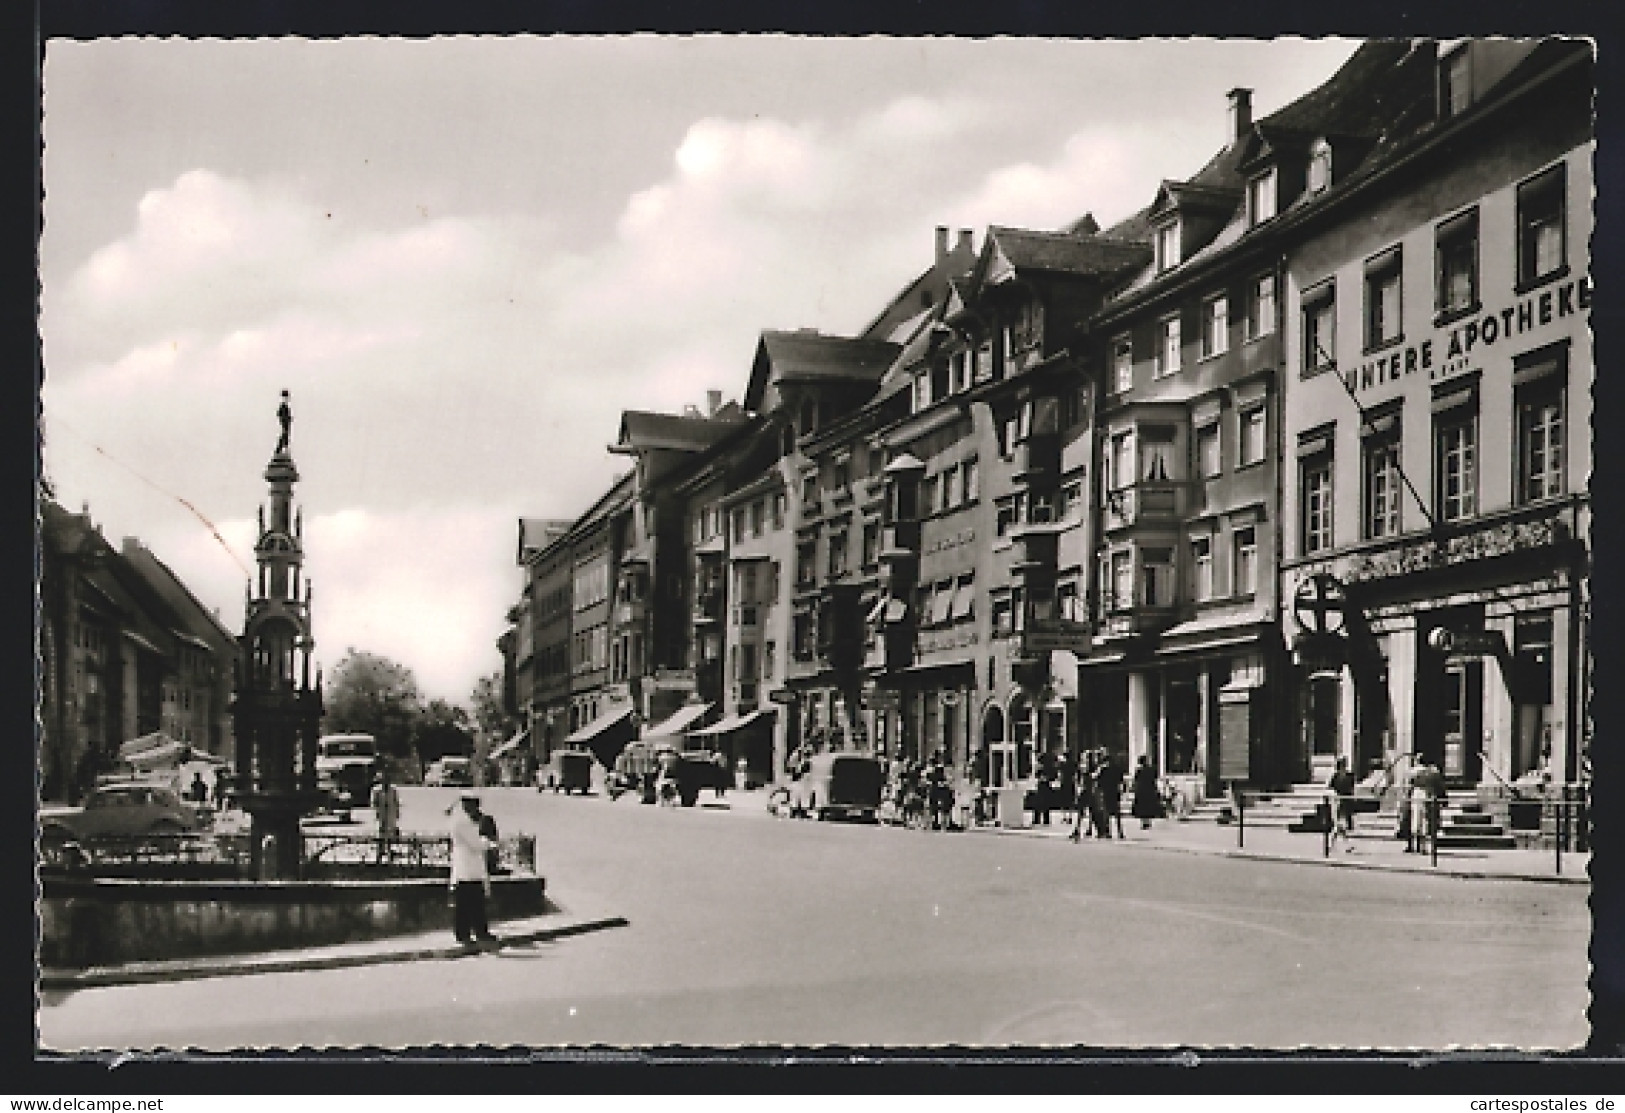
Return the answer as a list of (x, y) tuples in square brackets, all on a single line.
[(1085, 801), (1109, 786), (1341, 785), (386, 813), (1427, 790), (1147, 803), (470, 880), (1044, 790)]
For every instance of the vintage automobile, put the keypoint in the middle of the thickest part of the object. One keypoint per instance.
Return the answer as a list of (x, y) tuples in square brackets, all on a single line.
[(567, 771), (449, 772), (840, 784), (120, 809)]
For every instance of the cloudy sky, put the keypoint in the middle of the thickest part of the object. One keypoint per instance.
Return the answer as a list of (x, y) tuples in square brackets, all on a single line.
[(465, 256)]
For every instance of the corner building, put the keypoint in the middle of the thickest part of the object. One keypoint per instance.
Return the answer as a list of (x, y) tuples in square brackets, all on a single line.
[(1437, 434)]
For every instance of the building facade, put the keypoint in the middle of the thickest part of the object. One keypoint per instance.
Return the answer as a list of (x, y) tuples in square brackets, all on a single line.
[(1438, 433), (126, 651), (1288, 465)]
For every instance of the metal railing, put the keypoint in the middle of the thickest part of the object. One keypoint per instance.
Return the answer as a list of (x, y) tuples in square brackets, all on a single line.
[(233, 855), (1567, 815)]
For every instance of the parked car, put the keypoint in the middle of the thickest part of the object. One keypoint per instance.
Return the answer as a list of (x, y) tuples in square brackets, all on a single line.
[(567, 771), (846, 785), (448, 772), (120, 809), (698, 770)]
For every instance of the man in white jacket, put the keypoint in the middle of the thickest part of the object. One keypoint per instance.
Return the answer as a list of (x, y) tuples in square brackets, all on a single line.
[(470, 882)]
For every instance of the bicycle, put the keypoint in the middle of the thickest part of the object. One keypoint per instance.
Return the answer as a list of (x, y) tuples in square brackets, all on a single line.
[(1176, 802)]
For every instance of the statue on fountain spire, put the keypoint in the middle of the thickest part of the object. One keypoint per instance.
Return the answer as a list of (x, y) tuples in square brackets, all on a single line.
[(284, 414)]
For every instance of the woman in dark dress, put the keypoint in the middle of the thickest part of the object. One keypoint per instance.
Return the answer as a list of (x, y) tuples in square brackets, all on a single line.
[(1147, 803), (1109, 783)]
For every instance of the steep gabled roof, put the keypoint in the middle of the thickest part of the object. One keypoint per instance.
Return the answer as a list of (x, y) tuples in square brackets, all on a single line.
[(642, 431), (1023, 249), (811, 356)]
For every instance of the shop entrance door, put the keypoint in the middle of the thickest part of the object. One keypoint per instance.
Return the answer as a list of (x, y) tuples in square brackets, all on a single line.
[(1463, 720)]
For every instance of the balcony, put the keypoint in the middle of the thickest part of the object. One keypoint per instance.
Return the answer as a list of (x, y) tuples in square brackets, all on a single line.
[(1035, 547), (841, 628), (1145, 504), (1128, 622), (708, 606), (1038, 455)]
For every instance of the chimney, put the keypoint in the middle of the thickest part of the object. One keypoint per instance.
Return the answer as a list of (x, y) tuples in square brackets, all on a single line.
[(1087, 226), (942, 244), (713, 402), (967, 241), (1241, 112), (131, 545)]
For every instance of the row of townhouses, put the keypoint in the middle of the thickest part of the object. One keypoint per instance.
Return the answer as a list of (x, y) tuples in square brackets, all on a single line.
[(127, 653), (1289, 465)]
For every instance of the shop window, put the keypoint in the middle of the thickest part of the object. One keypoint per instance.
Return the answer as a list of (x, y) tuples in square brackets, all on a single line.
[(1542, 247), (1455, 256), (1320, 329), (1384, 324)]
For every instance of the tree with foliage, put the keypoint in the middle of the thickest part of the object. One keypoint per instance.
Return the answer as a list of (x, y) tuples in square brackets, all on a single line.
[(442, 731), (371, 694), (491, 718)]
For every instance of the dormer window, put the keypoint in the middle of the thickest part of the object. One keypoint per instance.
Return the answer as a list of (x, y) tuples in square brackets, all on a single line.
[(1320, 166), (1261, 198), (1168, 246), (1455, 85)]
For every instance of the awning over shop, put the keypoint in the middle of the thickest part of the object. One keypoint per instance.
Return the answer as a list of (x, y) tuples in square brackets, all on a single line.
[(939, 666), (1214, 632), (678, 722), (602, 725), (142, 642), (509, 746), (606, 735), (731, 723), (153, 751)]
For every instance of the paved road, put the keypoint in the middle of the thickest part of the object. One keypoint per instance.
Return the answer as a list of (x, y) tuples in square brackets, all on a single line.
[(747, 930)]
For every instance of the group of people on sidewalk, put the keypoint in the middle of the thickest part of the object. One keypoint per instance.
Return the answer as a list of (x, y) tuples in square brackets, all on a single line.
[(1422, 794), (1097, 782)]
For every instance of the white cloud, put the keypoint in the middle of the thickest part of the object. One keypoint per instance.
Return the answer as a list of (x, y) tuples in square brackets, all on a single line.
[(426, 588)]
